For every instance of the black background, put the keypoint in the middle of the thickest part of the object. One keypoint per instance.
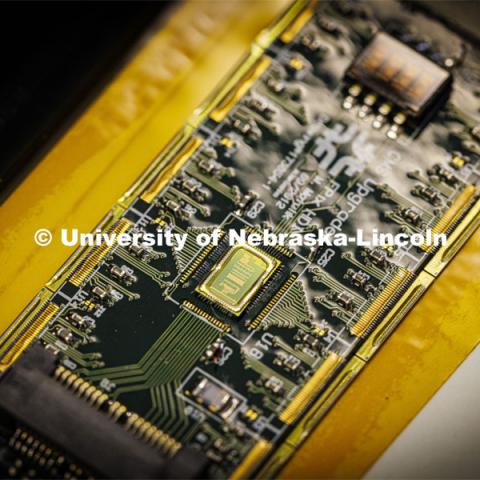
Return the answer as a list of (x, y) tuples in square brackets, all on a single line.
[(55, 57)]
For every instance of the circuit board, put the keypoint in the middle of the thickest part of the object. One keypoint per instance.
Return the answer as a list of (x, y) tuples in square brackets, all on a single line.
[(344, 116)]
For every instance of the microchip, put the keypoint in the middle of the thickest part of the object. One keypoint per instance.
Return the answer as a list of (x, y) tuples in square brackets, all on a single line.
[(215, 398), (398, 73), (237, 277)]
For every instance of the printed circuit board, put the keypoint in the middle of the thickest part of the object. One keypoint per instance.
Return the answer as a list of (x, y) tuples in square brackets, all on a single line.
[(344, 116)]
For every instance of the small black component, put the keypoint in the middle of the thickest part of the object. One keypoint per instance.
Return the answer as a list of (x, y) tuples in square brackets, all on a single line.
[(106, 295), (311, 341), (247, 127), (376, 256), (83, 322), (360, 280), (215, 398), (274, 384), (442, 174), (411, 215), (100, 293), (311, 44), (261, 106), (344, 299), (409, 80), (429, 194), (65, 335), (191, 187), (215, 352), (123, 274), (287, 361)]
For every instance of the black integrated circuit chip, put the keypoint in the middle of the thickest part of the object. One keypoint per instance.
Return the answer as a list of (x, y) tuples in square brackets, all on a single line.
[(409, 80)]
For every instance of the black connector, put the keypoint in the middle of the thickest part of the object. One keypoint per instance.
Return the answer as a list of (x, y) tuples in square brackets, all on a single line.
[(31, 398)]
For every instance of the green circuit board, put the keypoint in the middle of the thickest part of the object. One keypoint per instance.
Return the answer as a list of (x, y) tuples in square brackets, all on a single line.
[(345, 115)]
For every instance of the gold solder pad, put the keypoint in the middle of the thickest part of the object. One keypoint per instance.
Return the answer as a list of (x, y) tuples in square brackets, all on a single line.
[(237, 277)]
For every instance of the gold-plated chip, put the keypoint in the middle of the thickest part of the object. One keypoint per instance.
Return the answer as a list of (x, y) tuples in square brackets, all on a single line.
[(237, 277)]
